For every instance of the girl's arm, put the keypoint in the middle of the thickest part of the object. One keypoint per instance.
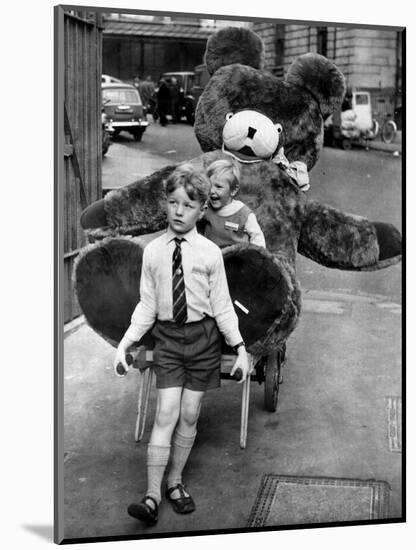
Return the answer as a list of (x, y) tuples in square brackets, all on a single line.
[(253, 229)]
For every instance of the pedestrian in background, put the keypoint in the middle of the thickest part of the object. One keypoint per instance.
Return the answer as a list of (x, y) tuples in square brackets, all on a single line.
[(174, 99), (136, 82), (163, 101), (147, 89)]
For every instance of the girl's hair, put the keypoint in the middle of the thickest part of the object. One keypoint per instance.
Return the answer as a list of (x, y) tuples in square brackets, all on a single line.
[(226, 169), (195, 182)]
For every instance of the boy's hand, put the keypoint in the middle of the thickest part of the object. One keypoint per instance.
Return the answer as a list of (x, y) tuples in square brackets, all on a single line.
[(121, 365), (242, 364)]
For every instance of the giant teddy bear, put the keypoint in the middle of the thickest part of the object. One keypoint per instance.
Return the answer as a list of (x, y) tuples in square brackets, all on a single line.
[(264, 282)]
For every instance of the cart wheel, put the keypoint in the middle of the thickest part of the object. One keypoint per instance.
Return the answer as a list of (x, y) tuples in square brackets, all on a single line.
[(272, 381), (346, 144), (389, 131)]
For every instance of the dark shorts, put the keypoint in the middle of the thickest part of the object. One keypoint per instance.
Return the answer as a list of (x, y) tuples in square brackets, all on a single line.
[(187, 355)]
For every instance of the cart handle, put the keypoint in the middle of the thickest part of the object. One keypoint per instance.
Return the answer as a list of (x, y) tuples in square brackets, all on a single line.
[(145, 358)]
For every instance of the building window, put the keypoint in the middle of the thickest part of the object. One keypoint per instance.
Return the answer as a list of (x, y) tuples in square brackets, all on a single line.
[(322, 40), (279, 44)]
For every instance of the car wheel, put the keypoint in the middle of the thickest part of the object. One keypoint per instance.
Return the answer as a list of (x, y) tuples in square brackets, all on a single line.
[(190, 114), (346, 144), (138, 134)]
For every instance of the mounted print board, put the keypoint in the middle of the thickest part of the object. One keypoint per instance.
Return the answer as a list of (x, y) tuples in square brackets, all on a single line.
[(310, 115)]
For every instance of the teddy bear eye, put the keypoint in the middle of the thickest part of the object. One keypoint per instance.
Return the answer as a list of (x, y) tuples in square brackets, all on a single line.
[(279, 128), (228, 116)]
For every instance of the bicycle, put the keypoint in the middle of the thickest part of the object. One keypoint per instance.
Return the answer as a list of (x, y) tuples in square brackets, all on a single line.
[(386, 127), (389, 130)]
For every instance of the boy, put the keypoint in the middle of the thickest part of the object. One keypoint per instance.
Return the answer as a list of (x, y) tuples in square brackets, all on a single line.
[(229, 221), (183, 288)]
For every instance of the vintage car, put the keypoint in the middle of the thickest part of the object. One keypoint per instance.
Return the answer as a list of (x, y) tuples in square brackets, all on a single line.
[(187, 101), (353, 123), (124, 109)]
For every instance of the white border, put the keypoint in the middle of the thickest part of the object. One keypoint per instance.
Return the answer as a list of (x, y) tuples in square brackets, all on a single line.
[(27, 272)]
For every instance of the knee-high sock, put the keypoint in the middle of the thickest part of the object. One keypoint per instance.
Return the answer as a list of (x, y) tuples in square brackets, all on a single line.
[(157, 460), (181, 448)]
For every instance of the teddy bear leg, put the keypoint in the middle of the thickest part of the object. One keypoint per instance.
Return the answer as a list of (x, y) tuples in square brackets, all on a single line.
[(265, 295), (107, 281)]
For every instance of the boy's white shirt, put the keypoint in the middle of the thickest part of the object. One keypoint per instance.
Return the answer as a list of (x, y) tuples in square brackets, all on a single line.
[(252, 227), (205, 282)]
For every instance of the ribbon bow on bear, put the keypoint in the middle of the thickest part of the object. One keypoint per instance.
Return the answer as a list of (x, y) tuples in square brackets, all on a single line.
[(297, 170)]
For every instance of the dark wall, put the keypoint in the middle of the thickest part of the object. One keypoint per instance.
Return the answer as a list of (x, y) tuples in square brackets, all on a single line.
[(124, 57)]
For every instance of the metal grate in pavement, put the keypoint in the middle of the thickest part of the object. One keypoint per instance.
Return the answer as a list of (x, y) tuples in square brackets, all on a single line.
[(288, 500)]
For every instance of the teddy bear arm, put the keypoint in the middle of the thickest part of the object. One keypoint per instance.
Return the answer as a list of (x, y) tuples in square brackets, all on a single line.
[(134, 209), (137, 208), (344, 241)]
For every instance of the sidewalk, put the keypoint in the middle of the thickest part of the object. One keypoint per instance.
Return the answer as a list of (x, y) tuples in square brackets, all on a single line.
[(344, 363), (379, 145)]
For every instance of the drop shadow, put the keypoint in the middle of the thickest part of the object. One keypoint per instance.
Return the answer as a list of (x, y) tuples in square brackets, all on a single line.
[(43, 531)]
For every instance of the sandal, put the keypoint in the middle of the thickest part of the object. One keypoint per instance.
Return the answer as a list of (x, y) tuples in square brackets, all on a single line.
[(143, 511), (182, 505)]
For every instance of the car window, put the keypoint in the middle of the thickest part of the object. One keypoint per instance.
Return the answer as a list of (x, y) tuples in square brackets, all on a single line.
[(120, 95), (190, 82), (201, 76), (179, 78), (361, 99)]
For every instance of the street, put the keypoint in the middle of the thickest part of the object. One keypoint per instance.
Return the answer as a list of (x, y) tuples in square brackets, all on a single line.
[(342, 375), (128, 160)]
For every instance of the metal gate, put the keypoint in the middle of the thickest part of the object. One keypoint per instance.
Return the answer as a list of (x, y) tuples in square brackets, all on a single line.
[(79, 37)]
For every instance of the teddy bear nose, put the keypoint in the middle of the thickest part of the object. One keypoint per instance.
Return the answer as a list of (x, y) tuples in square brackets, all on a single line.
[(251, 132)]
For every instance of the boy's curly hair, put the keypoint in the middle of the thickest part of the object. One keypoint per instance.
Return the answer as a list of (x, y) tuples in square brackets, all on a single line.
[(195, 182)]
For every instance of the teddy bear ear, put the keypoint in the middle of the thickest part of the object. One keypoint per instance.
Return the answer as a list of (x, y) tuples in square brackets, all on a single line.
[(321, 77), (234, 45)]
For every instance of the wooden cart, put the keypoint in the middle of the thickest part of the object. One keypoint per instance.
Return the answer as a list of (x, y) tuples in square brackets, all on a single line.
[(263, 369)]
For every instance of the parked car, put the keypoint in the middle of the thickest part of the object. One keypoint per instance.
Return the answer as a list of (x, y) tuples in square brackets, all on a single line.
[(105, 134), (106, 79), (124, 109)]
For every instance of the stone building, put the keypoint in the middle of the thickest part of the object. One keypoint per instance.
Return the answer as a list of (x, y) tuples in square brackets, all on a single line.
[(136, 47), (370, 58)]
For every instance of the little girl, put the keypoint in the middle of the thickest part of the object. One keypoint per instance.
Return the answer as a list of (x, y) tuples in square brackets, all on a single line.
[(229, 221)]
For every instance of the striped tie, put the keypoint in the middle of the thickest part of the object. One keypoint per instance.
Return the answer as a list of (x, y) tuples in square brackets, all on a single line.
[(178, 285)]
